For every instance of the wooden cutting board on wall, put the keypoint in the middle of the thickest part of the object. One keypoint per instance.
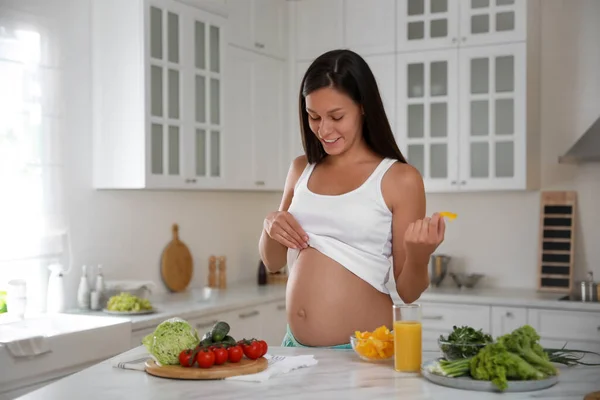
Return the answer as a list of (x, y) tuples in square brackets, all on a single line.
[(177, 266)]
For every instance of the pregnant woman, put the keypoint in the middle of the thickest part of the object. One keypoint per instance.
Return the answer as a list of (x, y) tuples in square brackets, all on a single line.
[(349, 204)]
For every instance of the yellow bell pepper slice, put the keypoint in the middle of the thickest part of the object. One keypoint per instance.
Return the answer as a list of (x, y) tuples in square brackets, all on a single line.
[(450, 215)]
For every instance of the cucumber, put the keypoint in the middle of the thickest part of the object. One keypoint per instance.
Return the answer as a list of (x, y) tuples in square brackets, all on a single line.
[(229, 341), (219, 331), (206, 342)]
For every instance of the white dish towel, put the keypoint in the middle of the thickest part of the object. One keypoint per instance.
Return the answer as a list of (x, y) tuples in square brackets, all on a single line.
[(278, 365), (27, 347)]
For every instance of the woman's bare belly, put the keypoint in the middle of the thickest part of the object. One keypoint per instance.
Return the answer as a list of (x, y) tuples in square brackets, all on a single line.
[(326, 303)]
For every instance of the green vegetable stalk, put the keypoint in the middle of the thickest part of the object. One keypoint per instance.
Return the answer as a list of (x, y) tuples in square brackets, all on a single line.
[(497, 364), (169, 339), (524, 342)]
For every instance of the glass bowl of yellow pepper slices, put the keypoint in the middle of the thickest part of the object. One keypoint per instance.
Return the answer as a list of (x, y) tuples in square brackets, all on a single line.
[(373, 346)]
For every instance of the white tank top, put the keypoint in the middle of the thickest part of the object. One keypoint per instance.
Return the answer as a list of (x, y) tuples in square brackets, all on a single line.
[(354, 228)]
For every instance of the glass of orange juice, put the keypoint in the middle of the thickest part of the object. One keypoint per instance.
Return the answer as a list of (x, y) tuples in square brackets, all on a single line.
[(407, 338)]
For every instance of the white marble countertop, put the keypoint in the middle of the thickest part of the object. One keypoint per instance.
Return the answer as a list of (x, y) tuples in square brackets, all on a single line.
[(195, 303), (339, 374), (506, 297)]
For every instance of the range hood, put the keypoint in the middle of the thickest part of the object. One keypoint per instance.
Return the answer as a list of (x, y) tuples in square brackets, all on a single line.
[(586, 149)]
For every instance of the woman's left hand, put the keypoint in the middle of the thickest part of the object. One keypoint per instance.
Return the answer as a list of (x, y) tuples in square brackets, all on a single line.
[(422, 237)]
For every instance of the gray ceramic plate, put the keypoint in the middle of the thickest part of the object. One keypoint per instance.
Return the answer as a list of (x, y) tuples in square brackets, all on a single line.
[(467, 383), (142, 312)]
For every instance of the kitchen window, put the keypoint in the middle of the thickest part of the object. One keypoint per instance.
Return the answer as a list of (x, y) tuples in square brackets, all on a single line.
[(31, 123)]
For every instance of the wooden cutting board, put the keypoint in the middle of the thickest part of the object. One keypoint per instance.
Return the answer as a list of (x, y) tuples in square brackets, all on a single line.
[(244, 367), (177, 265)]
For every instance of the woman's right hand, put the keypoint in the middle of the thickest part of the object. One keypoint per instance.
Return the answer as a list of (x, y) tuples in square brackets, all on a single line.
[(282, 227)]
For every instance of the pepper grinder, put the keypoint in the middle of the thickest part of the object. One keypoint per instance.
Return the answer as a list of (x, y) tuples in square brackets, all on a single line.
[(222, 273), (212, 272)]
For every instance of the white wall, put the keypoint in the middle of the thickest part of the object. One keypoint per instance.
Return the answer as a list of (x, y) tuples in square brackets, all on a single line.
[(127, 230)]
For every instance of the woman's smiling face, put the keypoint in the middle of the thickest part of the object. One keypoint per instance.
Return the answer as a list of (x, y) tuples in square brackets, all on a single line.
[(335, 119)]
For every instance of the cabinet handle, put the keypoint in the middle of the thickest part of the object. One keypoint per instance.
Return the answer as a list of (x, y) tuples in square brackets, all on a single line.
[(259, 45), (453, 183), (190, 181), (454, 40), (259, 183), (599, 329), (463, 182), (206, 324), (249, 314), (281, 307), (509, 314), (435, 317), (464, 39)]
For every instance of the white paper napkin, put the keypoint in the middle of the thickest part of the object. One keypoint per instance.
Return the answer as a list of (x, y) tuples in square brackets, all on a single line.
[(277, 365)]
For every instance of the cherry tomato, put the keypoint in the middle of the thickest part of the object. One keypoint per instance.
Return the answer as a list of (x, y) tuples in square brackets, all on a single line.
[(253, 350), (186, 358), (264, 347), (221, 355), (205, 358), (235, 353)]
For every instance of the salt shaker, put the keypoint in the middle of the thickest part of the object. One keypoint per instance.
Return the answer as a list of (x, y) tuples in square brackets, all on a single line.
[(212, 272)]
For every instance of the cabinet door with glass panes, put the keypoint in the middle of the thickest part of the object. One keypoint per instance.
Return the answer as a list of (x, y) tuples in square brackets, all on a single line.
[(438, 24), (427, 24), (184, 80), (164, 79), (205, 153), (492, 117), (427, 118), (492, 21)]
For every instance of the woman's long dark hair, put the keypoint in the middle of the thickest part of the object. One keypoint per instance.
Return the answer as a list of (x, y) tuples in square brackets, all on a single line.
[(346, 71)]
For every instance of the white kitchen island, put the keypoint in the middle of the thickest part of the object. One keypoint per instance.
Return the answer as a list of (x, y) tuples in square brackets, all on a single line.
[(339, 374)]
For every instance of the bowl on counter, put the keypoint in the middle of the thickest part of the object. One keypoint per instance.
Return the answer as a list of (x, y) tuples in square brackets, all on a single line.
[(373, 350), (465, 280), (456, 351)]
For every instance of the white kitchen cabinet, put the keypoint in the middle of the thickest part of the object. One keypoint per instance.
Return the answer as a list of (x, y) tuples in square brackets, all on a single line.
[(256, 104), (319, 27), (384, 69), (565, 325), (485, 22), (157, 95), (427, 113), (441, 24), (575, 330), (370, 26), (493, 119), (426, 24), (247, 322), (274, 322), (467, 117), (506, 319), (258, 25)]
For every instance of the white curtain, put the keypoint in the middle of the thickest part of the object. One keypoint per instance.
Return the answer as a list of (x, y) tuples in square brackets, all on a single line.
[(32, 220)]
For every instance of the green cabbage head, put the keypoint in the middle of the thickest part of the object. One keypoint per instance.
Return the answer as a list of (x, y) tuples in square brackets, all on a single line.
[(169, 339)]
